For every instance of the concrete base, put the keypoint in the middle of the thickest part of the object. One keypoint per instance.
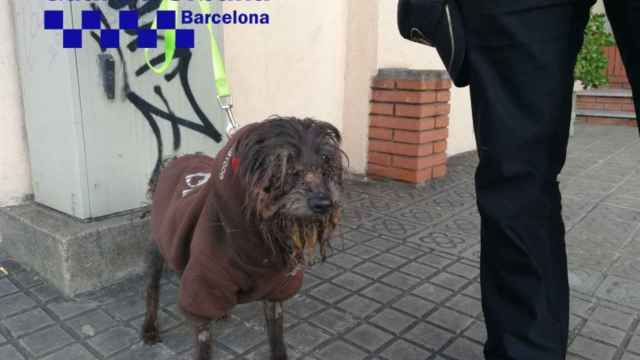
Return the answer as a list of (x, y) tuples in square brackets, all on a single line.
[(74, 256)]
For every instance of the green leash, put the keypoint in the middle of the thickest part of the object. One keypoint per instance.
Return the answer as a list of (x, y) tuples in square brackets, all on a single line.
[(219, 72)]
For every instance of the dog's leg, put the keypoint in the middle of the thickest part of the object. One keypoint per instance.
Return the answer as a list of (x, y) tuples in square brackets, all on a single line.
[(274, 317), (203, 339), (204, 334), (153, 272)]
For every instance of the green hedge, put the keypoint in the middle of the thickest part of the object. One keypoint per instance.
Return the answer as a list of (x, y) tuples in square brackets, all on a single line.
[(591, 66)]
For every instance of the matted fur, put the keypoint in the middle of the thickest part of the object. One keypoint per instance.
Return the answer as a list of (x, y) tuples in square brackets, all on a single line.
[(274, 160)]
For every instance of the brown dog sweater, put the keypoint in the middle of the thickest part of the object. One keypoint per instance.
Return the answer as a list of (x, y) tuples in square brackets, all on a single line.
[(198, 223)]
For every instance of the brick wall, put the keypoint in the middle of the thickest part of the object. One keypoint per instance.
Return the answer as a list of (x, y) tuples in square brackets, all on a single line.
[(408, 127), (605, 103), (616, 71)]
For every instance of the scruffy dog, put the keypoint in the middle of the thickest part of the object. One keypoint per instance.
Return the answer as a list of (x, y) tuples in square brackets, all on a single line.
[(242, 227)]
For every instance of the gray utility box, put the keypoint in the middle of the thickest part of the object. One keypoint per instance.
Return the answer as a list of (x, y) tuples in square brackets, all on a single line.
[(98, 121), (98, 124)]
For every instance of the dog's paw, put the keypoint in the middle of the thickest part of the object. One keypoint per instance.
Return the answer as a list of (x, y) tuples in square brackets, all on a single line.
[(279, 354), (151, 338), (150, 334)]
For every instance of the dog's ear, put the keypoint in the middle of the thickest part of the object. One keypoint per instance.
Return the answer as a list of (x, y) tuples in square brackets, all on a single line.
[(331, 145), (331, 132)]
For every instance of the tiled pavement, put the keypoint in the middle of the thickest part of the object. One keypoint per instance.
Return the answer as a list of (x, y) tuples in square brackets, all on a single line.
[(402, 283)]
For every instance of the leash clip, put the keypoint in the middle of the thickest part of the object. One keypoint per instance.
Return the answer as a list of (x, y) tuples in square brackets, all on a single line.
[(226, 103)]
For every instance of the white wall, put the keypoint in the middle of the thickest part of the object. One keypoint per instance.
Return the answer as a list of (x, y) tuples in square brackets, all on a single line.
[(15, 176), (361, 65), (293, 66), (395, 51), (598, 7), (320, 64), (316, 65)]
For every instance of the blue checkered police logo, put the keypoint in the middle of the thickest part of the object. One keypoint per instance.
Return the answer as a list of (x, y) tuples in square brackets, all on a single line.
[(128, 21)]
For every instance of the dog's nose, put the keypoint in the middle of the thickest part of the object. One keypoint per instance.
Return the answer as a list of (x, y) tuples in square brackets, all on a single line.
[(320, 203)]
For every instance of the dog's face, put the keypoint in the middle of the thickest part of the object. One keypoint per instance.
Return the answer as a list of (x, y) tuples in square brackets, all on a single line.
[(293, 169), (308, 183)]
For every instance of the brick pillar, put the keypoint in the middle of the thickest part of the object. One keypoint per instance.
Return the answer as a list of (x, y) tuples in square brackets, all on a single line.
[(408, 126), (615, 71)]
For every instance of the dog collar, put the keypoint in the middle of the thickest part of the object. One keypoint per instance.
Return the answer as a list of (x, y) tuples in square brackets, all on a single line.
[(230, 160), (235, 163)]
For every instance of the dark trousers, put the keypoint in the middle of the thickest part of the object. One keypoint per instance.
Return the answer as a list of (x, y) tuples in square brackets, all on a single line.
[(521, 55)]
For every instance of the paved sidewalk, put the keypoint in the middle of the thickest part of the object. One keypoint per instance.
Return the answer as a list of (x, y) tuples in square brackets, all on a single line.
[(402, 284)]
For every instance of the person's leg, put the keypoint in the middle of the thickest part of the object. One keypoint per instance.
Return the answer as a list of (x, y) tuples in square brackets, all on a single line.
[(624, 16), (521, 70)]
